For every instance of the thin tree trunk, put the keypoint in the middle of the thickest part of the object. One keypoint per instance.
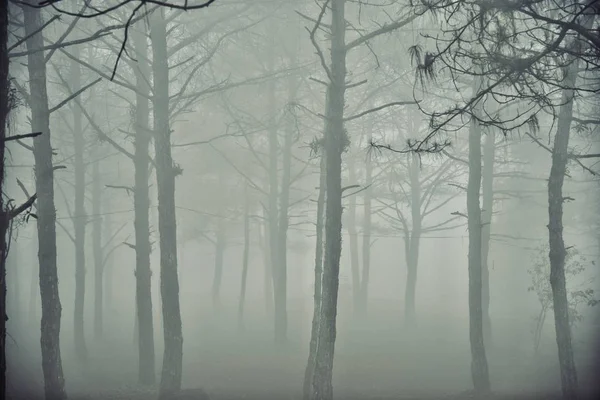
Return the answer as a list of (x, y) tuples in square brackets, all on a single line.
[(283, 224), (97, 250), (245, 259), (279, 297), (410, 314), (489, 155), (479, 365), (314, 333), (220, 245), (80, 217), (167, 223), (354, 267), (108, 263), (335, 142), (366, 242), (263, 238), (143, 274), (557, 253), (54, 384)]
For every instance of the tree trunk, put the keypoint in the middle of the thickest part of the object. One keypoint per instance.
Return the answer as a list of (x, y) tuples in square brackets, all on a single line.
[(263, 238), (245, 259), (280, 287), (54, 385), (366, 242), (279, 296), (4, 219), (354, 267), (412, 257), (143, 273), (220, 245), (97, 250), (314, 333), (167, 225), (80, 218), (489, 156), (108, 262), (335, 141), (557, 254), (479, 366)]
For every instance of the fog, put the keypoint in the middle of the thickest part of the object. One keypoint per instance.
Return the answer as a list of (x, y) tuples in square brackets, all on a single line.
[(200, 194)]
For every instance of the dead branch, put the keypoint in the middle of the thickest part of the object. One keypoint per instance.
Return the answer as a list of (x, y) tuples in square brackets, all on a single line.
[(73, 96), (23, 136)]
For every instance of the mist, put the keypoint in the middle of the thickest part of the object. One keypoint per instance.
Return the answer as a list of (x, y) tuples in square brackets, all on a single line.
[(300, 200)]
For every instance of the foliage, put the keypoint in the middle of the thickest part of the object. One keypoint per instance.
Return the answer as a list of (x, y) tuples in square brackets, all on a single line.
[(578, 291)]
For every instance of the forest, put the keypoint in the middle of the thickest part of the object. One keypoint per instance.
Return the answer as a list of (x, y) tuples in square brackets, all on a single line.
[(299, 199)]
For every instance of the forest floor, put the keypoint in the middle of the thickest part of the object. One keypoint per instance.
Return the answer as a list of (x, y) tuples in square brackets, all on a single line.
[(377, 364)]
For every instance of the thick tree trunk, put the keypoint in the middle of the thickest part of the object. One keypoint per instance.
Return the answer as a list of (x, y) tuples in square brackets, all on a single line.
[(97, 250), (54, 385), (4, 219), (167, 225), (479, 365), (335, 141), (353, 242), (487, 187), (80, 217), (143, 274), (220, 245), (245, 259), (412, 256), (366, 242), (557, 254), (314, 333)]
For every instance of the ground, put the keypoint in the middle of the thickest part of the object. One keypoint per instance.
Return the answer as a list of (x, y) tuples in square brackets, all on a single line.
[(372, 362)]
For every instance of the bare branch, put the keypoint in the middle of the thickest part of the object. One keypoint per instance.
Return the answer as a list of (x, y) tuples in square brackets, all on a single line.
[(73, 95), (23, 136)]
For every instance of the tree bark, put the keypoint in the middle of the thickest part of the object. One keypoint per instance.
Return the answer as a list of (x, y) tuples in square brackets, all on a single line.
[(97, 250), (80, 217), (479, 365), (167, 223), (335, 141), (54, 385), (143, 273), (314, 333), (489, 156), (557, 253)]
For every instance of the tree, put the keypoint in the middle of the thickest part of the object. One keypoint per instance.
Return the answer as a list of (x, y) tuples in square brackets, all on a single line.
[(578, 293), (335, 143), (54, 385)]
